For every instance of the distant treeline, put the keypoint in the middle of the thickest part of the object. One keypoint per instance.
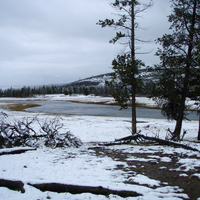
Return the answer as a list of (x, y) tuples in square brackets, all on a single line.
[(68, 90), (54, 89), (29, 92)]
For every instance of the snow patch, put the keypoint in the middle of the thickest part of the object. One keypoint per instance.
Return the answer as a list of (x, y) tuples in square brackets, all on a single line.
[(144, 180)]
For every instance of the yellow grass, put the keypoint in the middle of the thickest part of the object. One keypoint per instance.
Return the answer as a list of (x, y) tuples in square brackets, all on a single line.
[(18, 106)]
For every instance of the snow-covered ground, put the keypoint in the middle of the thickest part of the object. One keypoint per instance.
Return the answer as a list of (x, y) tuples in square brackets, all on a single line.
[(82, 166)]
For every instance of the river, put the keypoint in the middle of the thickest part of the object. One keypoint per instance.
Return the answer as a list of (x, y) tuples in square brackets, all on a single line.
[(65, 107)]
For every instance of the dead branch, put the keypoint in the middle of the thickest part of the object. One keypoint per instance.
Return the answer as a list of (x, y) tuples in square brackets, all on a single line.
[(77, 189), (16, 151), (22, 133), (114, 143), (154, 139)]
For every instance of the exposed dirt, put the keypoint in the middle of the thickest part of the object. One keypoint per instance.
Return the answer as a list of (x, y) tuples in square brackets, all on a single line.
[(156, 164), (165, 172), (18, 106)]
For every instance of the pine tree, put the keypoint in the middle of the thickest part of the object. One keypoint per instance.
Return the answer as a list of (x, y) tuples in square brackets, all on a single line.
[(179, 62), (125, 66)]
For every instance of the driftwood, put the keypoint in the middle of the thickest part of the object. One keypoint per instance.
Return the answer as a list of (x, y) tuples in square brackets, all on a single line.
[(12, 185), (16, 151), (77, 189), (136, 137)]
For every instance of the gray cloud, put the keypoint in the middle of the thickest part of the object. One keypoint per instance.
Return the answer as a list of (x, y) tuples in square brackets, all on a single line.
[(58, 41)]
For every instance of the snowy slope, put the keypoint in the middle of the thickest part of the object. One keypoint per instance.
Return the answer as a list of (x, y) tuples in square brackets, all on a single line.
[(95, 81)]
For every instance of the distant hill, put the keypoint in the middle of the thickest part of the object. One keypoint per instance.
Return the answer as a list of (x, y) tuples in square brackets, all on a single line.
[(94, 81), (96, 85), (99, 80)]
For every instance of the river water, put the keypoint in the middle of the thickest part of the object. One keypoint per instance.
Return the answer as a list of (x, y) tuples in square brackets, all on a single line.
[(64, 107)]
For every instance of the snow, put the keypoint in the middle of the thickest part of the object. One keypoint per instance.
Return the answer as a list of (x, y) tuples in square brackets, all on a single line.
[(14, 149), (141, 179), (165, 159), (82, 166), (189, 164), (198, 175)]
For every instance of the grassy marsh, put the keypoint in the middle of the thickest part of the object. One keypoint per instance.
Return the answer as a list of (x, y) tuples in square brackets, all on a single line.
[(18, 106)]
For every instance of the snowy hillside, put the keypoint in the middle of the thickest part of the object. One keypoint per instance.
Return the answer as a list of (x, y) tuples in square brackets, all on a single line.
[(99, 80), (91, 81)]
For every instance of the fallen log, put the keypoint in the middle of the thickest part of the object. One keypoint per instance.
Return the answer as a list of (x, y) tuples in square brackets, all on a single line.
[(15, 151), (135, 137), (77, 189), (170, 143), (12, 185), (114, 143)]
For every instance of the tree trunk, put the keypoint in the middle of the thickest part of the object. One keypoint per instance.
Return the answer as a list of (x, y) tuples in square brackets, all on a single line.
[(199, 128), (177, 130), (134, 129)]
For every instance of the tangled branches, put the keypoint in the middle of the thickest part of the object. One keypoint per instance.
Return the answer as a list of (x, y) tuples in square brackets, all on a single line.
[(23, 133)]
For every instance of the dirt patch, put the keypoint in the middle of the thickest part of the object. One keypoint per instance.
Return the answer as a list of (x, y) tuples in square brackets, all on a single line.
[(158, 166)]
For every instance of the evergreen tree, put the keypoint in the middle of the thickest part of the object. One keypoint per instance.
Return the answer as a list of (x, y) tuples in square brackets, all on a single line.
[(125, 66), (70, 92), (1, 93), (124, 78), (179, 64), (85, 91)]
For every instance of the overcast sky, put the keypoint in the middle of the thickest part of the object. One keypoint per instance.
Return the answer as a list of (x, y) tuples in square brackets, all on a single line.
[(58, 41)]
